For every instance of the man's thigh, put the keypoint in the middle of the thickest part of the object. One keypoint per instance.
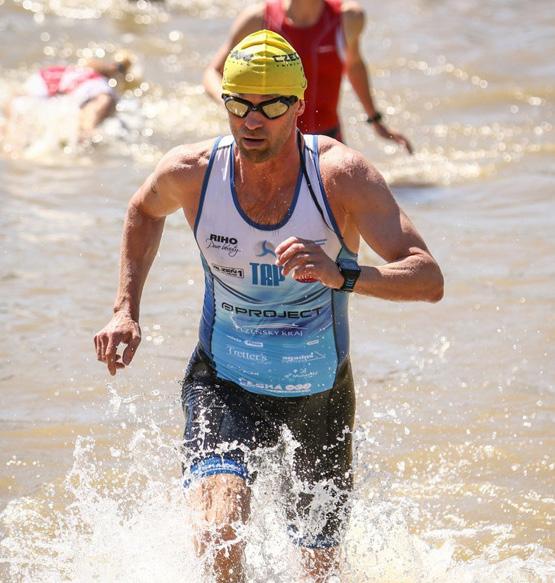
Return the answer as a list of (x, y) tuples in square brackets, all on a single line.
[(222, 423)]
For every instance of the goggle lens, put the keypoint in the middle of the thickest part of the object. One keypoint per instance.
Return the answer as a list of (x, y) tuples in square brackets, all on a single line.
[(276, 109), (236, 107)]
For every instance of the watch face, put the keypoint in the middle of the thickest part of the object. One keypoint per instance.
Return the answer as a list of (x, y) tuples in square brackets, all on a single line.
[(350, 270), (349, 266)]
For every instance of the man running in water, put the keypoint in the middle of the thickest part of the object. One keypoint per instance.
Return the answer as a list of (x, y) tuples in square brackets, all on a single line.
[(278, 218), (326, 35)]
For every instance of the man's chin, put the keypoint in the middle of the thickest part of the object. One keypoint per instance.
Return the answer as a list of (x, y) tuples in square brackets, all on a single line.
[(255, 154)]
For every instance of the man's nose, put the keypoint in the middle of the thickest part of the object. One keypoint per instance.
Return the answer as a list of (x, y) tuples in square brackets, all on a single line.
[(254, 120)]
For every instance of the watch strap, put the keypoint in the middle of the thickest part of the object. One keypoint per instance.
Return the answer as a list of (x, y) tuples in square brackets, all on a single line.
[(348, 284), (350, 277)]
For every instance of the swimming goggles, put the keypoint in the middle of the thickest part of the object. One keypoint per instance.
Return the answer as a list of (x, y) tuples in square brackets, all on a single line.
[(271, 109)]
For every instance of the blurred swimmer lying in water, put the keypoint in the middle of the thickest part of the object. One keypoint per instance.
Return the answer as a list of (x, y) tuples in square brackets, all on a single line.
[(91, 86)]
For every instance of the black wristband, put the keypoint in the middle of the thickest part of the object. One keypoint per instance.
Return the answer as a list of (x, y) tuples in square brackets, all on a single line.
[(377, 117), (350, 271)]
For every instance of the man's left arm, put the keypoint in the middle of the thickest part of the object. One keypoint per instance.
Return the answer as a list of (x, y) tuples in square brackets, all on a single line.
[(411, 273), (368, 210), (355, 68)]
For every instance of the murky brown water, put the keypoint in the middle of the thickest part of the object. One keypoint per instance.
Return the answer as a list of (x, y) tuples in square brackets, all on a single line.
[(455, 439)]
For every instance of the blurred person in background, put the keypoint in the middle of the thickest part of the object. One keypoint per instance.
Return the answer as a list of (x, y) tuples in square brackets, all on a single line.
[(92, 86), (326, 34)]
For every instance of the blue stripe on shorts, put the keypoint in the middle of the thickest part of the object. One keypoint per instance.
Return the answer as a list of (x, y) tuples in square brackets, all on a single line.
[(215, 465)]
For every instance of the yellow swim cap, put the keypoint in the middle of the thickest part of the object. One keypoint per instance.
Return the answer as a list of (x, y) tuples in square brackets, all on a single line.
[(264, 63)]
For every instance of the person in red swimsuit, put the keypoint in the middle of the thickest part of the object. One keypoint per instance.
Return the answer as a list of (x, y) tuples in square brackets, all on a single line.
[(90, 85), (326, 35)]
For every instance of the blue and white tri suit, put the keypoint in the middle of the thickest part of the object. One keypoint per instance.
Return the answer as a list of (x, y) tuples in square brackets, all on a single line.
[(270, 334)]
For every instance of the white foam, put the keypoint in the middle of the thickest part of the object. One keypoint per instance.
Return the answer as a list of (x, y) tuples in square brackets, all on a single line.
[(124, 519)]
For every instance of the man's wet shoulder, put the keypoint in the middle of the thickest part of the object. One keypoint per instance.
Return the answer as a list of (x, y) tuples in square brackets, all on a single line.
[(337, 159), (188, 157), (186, 162), (342, 167)]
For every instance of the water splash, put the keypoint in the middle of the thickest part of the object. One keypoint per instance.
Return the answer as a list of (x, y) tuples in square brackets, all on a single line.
[(121, 516)]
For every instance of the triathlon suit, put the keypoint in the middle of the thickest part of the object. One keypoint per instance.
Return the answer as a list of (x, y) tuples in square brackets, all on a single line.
[(81, 83), (322, 51), (272, 351)]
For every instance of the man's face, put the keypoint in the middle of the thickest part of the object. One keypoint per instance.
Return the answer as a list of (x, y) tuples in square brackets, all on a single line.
[(259, 138)]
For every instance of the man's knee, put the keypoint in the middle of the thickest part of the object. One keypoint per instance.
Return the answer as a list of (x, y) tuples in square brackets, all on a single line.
[(220, 506), (219, 501), (320, 564)]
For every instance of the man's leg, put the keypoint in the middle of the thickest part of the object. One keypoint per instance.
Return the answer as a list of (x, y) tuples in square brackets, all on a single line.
[(221, 506), (319, 564), (323, 427), (218, 413)]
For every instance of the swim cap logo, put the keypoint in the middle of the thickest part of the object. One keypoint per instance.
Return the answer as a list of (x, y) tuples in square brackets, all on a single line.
[(241, 56), (290, 58)]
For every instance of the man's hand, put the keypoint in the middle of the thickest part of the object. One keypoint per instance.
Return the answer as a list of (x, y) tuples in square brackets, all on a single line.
[(386, 133), (306, 261), (121, 328)]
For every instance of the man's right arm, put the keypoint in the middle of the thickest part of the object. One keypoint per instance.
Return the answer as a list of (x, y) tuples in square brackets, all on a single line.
[(248, 21), (174, 184)]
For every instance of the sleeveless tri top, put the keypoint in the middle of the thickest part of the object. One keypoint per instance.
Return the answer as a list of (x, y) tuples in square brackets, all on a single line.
[(266, 332), (322, 51)]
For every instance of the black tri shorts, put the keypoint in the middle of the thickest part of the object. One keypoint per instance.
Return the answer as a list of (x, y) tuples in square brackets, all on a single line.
[(224, 422)]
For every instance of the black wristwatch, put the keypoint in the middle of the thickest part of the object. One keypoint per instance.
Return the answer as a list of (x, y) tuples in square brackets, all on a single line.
[(376, 118), (350, 271)]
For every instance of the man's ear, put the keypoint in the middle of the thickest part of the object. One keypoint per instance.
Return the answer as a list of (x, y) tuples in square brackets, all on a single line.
[(300, 110)]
